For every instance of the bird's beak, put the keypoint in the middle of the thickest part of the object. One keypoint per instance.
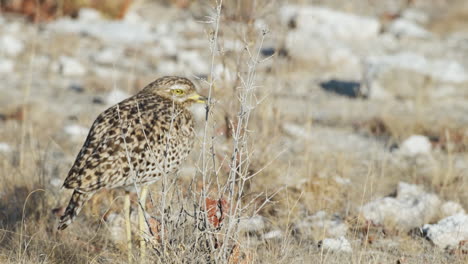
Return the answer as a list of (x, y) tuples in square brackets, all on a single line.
[(198, 98)]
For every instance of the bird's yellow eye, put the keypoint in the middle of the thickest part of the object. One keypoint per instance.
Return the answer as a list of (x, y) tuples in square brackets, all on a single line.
[(178, 92)]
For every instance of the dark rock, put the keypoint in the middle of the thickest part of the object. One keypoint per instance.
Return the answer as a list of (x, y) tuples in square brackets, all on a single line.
[(76, 87), (346, 88), (98, 100), (268, 51)]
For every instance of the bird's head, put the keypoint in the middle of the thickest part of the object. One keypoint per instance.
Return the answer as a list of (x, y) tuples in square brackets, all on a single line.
[(178, 89)]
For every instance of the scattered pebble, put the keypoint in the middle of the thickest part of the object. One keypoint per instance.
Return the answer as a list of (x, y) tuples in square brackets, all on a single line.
[(268, 51), (415, 15), (5, 147), (442, 70), (275, 234), (343, 181), (76, 131), (111, 31), (329, 24), (10, 45), (89, 14), (69, 67), (416, 145), (331, 226), (6, 66), (340, 244), (328, 38), (56, 182), (320, 225)]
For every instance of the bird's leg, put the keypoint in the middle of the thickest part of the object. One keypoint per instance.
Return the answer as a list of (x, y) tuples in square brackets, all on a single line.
[(142, 221), (128, 226)]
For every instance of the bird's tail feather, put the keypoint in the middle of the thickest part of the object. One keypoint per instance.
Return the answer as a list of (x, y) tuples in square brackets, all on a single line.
[(77, 201)]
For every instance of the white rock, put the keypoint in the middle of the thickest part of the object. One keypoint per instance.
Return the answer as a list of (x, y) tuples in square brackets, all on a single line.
[(10, 45), (321, 225), (342, 181), (416, 145), (6, 66), (69, 67), (125, 32), (388, 41), (76, 131), (296, 130), (328, 38), (275, 234), (340, 244), (56, 182), (440, 70), (451, 208), (4, 147), (412, 207), (261, 25), (405, 28), (332, 227), (330, 24), (116, 96), (252, 224), (377, 92), (332, 54), (415, 15), (448, 232), (108, 56)]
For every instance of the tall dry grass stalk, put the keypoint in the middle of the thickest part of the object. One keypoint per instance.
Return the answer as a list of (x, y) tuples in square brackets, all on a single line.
[(201, 221)]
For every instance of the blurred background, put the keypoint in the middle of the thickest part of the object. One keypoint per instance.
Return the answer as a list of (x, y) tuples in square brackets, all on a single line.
[(357, 136)]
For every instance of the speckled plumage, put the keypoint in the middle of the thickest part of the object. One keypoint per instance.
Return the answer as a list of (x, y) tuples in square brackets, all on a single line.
[(134, 142)]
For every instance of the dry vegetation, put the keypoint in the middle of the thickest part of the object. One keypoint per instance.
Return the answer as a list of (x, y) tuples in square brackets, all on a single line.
[(245, 157)]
